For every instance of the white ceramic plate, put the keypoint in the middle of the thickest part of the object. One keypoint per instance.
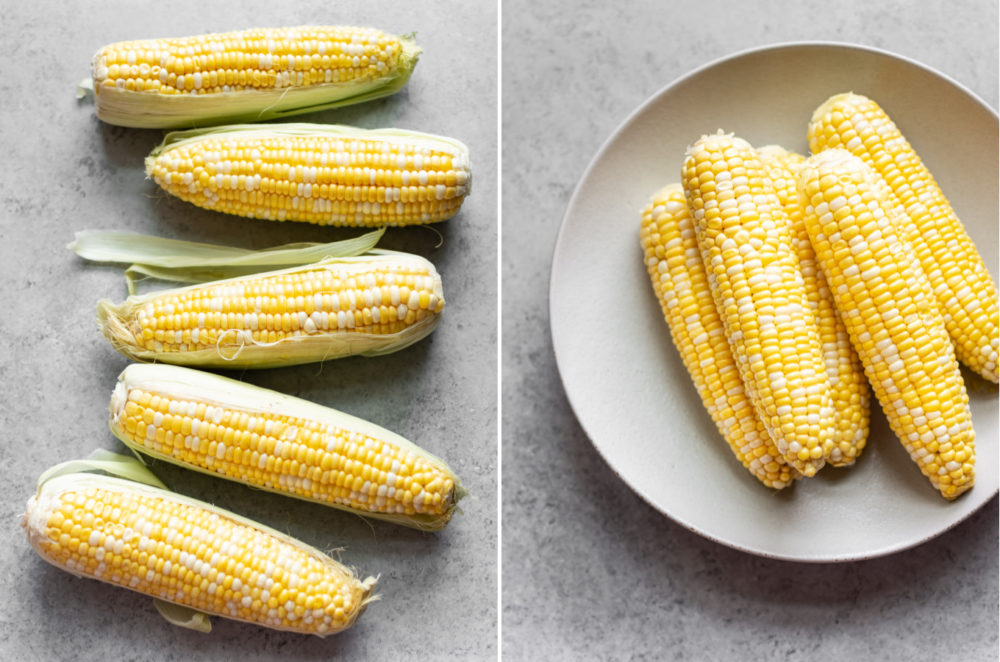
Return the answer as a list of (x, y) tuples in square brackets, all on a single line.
[(624, 378)]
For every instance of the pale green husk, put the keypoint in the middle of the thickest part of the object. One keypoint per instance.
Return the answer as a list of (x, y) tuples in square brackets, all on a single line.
[(107, 462), (183, 616), (192, 262), (199, 386), (122, 473), (147, 110), (238, 351)]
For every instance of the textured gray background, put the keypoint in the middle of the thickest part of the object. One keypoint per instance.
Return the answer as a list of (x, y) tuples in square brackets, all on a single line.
[(590, 571), (64, 171)]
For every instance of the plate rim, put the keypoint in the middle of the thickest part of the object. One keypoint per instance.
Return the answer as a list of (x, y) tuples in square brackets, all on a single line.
[(572, 204)]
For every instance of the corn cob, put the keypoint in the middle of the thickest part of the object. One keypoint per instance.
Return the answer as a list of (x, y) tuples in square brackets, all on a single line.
[(322, 174), (887, 305), (753, 271), (963, 288), (848, 386), (281, 444), (369, 305), (249, 75), (190, 553), (670, 248)]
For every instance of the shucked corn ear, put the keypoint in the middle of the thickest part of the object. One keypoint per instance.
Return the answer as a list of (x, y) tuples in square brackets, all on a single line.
[(886, 303), (323, 174), (279, 443), (848, 386), (672, 257), (195, 557), (247, 76), (753, 271), (367, 305), (963, 288)]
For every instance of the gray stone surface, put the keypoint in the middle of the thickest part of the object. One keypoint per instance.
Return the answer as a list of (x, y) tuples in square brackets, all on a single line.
[(590, 571), (64, 171)]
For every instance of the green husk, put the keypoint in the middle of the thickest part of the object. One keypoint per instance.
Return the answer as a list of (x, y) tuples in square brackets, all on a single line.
[(161, 111), (200, 386), (85, 88), (119, 471), (183, 616), (181, 261), (107, 462)]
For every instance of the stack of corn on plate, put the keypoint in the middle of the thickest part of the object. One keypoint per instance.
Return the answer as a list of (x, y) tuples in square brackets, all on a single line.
[(791, 285)]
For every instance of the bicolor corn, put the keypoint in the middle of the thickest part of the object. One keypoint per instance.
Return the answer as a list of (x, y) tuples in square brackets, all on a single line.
[(279, 443), (888, 307), (247, 75), (746, 244), (848, 386), (963, 287), (673, 260), (188, 553), (322, 174), (367, 305)]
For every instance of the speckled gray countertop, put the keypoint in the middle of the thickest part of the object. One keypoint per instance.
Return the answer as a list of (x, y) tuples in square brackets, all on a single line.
[(65, 171), (590, 571)]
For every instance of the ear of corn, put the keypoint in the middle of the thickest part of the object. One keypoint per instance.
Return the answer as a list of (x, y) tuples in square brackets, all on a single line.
[(281, 444), (887, 306), (753, 270), (247, 76), (963, 288), (367, 305), (323, 174), (848, 386), (670, 248), (190, 554)]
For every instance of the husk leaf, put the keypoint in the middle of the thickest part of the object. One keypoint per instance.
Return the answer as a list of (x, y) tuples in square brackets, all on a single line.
[(183, 261)]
